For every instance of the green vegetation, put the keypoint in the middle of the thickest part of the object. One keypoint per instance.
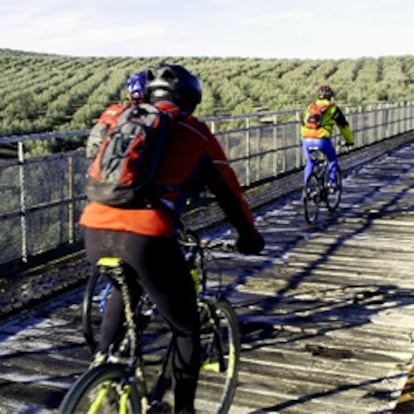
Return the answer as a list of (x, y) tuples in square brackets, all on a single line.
[(44, 93)]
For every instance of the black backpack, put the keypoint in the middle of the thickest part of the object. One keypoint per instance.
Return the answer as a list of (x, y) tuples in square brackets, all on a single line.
[(121, 173)]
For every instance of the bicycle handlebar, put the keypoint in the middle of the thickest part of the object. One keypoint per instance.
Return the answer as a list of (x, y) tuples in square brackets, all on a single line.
[(223, 245), (191, 240)]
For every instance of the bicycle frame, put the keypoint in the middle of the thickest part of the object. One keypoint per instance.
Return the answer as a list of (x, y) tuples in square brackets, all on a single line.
[(321, 163)]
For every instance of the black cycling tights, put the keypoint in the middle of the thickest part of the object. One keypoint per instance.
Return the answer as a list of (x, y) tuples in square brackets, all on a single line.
[(161, 271)]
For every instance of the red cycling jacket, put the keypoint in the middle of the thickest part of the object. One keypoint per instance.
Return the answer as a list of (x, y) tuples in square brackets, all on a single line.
[(194, 157)]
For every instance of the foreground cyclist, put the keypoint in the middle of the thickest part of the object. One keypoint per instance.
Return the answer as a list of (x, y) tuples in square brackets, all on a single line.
[(144, 238), (317, 128)]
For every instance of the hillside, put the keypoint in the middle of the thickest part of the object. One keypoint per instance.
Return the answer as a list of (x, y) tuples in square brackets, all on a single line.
[(42, 92)]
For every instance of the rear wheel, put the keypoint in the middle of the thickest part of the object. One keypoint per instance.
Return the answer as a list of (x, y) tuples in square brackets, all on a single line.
[(311, 199), (220, 356), (102, 390), (97, 292)]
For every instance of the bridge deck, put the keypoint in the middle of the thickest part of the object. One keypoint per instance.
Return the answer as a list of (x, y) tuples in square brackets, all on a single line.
[(326, 313)]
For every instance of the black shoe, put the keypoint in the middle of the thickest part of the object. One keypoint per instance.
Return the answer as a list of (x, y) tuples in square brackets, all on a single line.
[(159, 407)]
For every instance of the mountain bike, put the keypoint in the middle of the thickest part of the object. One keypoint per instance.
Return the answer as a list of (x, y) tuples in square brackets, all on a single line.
[(126, 382), (317, 190)]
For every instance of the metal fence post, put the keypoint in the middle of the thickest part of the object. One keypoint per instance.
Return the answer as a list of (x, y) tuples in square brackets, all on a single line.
[(247, 125), (23, 226), (299, 154), (71, 209), (274, 146)]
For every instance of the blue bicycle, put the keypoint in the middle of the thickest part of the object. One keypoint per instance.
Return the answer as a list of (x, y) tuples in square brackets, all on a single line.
[(317, 190)]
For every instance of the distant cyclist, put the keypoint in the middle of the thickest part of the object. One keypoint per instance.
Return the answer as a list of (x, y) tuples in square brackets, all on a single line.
[(135, 87), (318, 122), (136, 92)]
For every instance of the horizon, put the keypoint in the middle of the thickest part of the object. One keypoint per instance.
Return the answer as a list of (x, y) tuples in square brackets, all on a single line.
[(212, 28), (199, 57)]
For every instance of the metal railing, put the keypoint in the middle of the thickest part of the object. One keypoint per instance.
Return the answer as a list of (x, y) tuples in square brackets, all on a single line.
[(42, 197)]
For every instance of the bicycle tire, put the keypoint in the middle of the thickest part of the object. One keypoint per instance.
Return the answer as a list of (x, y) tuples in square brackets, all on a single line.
[(91, 309), (219, 368), (99, 390), (333, 199), (311, 199)]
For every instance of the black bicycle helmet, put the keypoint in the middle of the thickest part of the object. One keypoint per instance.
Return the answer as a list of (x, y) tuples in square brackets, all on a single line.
[(176, 83), (325, 92)]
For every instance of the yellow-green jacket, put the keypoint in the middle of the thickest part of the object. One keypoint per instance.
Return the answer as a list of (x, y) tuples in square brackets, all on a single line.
[(333, 115)]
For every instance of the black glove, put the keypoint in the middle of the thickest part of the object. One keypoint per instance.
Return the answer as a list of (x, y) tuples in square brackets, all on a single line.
[(250, 243)]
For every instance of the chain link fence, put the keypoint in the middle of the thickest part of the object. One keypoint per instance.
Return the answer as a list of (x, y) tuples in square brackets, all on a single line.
[(42, 197)]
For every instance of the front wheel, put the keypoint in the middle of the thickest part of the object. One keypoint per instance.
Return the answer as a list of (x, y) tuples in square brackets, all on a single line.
[(311, 199), (220, 356), (102, 390)]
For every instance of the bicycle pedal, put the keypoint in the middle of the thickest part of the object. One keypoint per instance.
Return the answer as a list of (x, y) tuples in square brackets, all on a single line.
[(312, 195), (332, 188), (212, 366), (99, 359)]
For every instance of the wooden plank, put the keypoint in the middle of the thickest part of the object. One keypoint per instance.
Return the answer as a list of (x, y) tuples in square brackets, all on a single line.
[(326, 313)]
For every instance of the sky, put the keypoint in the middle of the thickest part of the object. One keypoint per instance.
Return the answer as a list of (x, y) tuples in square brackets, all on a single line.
[(304, 29)]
